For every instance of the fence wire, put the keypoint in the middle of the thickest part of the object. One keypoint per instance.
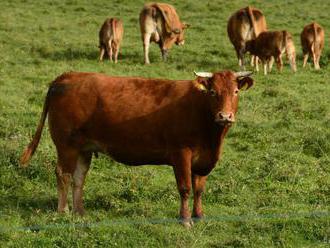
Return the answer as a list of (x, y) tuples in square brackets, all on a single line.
[(221, 218)]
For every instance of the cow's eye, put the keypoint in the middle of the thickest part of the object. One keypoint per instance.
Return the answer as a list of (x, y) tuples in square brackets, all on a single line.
[(213, 92), (236, 91)]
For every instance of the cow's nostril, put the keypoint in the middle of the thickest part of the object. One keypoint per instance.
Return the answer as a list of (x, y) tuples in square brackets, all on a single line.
[(226, 117)]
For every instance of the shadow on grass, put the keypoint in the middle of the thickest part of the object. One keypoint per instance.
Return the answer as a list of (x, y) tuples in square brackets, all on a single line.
[(68, 54), (29, 204)]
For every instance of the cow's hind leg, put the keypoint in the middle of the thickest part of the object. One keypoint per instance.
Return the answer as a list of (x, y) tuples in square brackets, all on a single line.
[(279, 62), (67, 160), (63, 183), (109, 49), (198, 183), (102, 50), (265, 62), (79, 174), (182, 171), (305, 59), (116, 51), (270, 63), (240, 55)]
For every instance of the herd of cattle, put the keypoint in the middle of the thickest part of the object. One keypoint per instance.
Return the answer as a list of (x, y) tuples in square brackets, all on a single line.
[(140, 121), (247, 31)]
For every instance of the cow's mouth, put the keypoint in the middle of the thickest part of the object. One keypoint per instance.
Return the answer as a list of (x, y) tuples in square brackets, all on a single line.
[(224, 122)]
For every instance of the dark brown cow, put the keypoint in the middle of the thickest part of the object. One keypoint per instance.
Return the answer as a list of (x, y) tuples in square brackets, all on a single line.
[(160, 23), (269, 45), (139, 121), (312, 42), (110, 37), (244, 25)]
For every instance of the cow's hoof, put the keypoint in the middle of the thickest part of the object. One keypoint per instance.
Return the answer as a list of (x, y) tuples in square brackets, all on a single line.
[(198, 218), (79, 211), (187, 223)]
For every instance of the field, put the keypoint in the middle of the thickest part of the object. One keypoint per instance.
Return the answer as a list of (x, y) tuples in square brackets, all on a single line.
[(272, 185)]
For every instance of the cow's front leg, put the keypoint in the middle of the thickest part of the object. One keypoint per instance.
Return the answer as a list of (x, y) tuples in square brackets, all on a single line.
[(182, 171), (164, 54), (241, 61), (146, 43), (198, 183)]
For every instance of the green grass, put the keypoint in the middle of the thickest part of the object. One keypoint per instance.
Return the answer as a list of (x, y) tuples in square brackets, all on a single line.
[(275, 159)]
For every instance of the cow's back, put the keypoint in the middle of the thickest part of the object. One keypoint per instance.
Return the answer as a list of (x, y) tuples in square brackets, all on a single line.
[(240, 27), (310, 34)]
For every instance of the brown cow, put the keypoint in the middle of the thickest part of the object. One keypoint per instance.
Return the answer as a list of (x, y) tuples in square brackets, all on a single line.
[(110, 36), (139, 121), (244, 25), (312, 42), (160, 23), (269, 45)]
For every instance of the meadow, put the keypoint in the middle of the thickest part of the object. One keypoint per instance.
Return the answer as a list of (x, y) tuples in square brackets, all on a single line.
[(272, 185)]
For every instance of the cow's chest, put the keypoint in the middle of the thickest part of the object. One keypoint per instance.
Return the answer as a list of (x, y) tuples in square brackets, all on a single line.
[(204, 160)]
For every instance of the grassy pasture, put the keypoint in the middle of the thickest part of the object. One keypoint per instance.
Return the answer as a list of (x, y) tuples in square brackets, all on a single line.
[(276, 159)]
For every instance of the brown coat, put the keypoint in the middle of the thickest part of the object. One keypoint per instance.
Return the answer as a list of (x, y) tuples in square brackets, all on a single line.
[(139, 121), (270, 45), (160, 23), (244, 25), (312, 43), (110, 38)]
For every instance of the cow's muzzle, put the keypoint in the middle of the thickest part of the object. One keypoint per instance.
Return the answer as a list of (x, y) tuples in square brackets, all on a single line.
[(180, 43), (224, 118)]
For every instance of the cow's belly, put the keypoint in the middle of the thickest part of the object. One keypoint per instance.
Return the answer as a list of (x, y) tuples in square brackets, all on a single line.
[(132, 149)]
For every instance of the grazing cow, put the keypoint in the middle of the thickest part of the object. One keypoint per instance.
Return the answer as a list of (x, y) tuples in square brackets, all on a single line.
[(139, 121), (110, 36), (269, 45), (160, 23), (244, 25), (312, 42)]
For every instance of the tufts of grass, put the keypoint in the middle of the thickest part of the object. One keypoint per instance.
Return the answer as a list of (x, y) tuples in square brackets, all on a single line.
[(275, 159)]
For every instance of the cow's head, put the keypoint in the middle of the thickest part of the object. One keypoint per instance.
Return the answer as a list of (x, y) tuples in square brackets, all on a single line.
[(180, 34), (176, 36), (222, 90)]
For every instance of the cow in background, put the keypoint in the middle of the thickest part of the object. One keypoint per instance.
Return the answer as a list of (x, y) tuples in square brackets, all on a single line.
[(110, 38), (269, 45), (312, 42), (244, 25), (139, 121), (160, 23)]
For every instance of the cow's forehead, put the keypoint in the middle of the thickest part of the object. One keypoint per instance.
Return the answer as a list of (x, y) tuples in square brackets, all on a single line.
[(225, 79)]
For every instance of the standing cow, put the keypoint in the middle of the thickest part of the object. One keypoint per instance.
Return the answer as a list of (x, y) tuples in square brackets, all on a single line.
[(160, 23), (110, 38), (139, 121), (312, 42), (244, 25), (269, 45)]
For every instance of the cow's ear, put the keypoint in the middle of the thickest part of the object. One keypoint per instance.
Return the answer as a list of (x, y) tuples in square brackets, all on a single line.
[(185, 25), (203, 83), (244, 83)]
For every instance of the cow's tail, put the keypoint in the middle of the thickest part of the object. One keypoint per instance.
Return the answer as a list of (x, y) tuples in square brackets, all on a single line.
[(316, 40), (113, 27), (30, 149), (168, 24), (253, 21), (289, 49)]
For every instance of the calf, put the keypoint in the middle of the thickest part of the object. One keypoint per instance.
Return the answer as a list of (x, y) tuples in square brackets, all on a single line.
[(244, 25), (110, 37), (270, 45), (139, 121), (312, 42), (160, 23)]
